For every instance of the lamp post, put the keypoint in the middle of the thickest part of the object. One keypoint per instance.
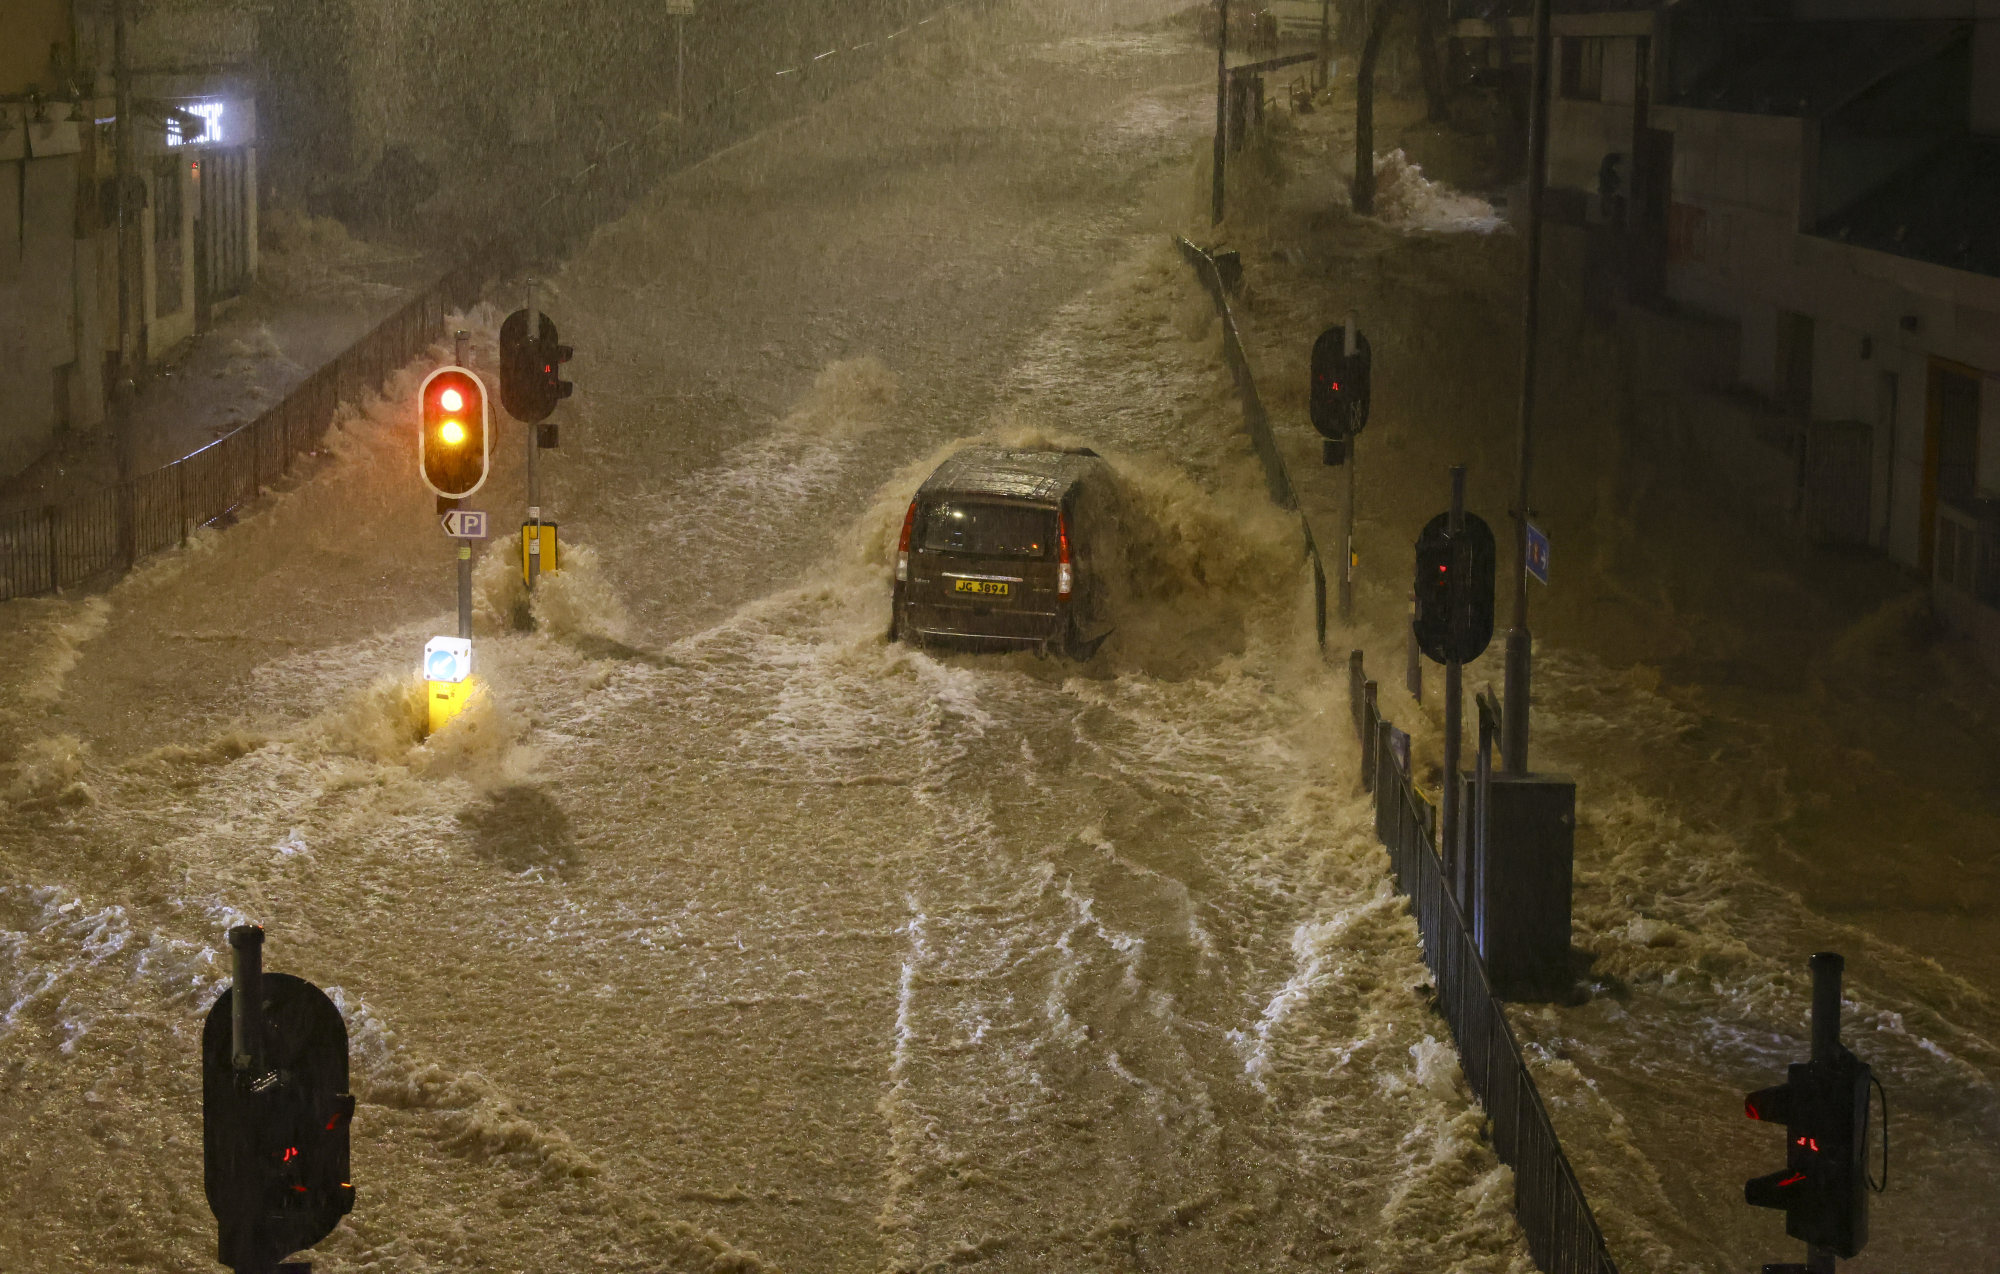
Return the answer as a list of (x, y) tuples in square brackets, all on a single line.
[(1520, 644)]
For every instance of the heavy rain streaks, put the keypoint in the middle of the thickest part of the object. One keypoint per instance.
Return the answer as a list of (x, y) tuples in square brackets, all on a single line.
[(719, 933)]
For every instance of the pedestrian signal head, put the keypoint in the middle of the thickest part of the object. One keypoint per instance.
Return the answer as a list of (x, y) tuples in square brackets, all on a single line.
[(452, 451)]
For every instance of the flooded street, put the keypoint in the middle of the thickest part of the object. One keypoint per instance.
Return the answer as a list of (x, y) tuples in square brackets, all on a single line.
[(721, 933)]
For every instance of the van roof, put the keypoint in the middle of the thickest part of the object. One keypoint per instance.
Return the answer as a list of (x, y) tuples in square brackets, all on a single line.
[(1041, 475)]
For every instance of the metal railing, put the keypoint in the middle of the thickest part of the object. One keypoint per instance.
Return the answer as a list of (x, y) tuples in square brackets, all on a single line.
[(1563, 1236), (79, 541), (1256, 422)]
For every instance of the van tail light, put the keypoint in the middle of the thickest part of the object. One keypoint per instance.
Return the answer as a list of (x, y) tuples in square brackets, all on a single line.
[(903, 546), (1065, 573)]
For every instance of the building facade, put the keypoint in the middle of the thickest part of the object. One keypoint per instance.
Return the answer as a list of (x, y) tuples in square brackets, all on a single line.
[(1799, 205), (191, 201)]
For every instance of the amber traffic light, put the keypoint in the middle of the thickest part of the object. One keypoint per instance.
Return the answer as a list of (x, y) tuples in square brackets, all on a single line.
[(451, 445)]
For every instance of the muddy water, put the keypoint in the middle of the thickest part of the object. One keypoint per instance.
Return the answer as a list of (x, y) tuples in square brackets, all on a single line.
[(1765, 768), (720, 933)]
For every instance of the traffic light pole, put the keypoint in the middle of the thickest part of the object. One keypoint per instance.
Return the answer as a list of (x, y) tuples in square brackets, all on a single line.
[(1520, 644), (246, 1018), (1827, 967), (462, 340), (1454, 688), (1350, 347), (534, 486)]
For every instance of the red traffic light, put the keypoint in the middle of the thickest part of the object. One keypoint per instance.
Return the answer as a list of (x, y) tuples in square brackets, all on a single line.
[(451, 438)]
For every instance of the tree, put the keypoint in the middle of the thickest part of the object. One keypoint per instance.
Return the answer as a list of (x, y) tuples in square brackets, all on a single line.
[(1379, 15)]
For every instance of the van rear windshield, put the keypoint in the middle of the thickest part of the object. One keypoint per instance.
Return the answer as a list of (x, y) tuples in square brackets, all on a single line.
[(979, 529)]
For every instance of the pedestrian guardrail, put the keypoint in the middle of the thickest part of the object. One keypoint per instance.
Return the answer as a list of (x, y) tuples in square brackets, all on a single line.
[(1256, 422), (1563, 1236), (79, 541), (90, 538)]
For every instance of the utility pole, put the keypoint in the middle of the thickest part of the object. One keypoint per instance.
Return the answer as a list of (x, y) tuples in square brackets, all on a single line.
[(1221, 105), (1520, 644)]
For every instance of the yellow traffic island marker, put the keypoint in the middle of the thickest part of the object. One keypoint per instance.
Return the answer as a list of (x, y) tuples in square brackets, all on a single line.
[(447, 680), (541, 553)]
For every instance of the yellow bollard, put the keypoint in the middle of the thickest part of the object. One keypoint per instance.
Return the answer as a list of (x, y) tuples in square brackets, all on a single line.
[(447, 680), (445, 699), (549, 551)]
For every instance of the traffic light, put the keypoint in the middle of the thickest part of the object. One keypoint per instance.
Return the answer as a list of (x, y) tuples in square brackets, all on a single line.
[(1337, 400), (1823, 1187), (531, 382), (1454, 575), (554, 355), (275, 1113), (452, 443)]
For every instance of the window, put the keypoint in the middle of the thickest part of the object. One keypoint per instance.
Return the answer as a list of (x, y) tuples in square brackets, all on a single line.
[(1583, 67), (989, 530)]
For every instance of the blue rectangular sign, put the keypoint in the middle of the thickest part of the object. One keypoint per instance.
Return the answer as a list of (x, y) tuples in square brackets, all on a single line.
[(1538, 553)]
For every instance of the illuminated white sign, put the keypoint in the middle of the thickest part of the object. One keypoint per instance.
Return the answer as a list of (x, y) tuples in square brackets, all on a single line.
[(210, 113), (447, 659)]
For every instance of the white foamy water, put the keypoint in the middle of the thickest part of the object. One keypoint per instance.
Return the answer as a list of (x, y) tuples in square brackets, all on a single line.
[(721, 934)]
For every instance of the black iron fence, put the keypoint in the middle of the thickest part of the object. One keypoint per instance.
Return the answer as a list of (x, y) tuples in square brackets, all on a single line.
[(1562, 1234), (82, 540)]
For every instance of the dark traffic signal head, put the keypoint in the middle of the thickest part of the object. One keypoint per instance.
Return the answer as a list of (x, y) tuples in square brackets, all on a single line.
[(1451, 575), (554, 355), (531, 382), (1823, 1187), (275, 1114), (451, 443), (1337, 400)]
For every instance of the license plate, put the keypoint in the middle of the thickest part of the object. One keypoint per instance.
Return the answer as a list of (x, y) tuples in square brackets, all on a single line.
[(985, 587)]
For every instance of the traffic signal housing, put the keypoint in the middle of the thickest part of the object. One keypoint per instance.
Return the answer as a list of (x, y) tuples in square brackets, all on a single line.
[(531, 382), (1337, 400), (452, 444), (1823, 1187), (275, 1115), (1454, 575)]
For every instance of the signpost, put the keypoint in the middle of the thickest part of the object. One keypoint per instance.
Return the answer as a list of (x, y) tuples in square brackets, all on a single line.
[(464, 524)]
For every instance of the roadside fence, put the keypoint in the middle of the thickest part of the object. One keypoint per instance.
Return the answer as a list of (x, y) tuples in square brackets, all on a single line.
[(1563, 1235), (1256, 422), (58, 546), (95, 536)]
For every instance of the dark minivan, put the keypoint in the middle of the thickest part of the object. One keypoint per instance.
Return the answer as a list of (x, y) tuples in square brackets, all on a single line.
[(1007, 547)]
